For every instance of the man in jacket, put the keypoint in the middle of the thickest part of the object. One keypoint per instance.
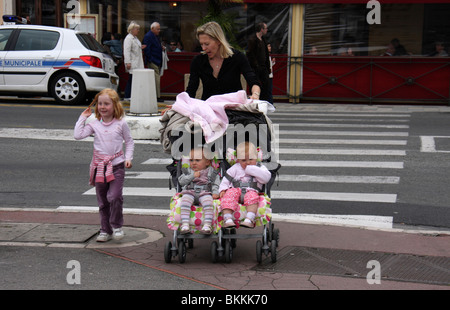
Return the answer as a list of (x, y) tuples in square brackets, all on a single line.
[(153, 54)]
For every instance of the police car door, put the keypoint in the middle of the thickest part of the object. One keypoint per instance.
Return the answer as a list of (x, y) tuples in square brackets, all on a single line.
[(4, 36), (32, 57)]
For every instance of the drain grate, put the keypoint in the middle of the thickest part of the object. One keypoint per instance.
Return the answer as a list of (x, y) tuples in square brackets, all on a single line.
[(350, 263)]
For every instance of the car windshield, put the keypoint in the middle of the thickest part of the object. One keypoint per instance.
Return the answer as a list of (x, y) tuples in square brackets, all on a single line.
[(90, 43)]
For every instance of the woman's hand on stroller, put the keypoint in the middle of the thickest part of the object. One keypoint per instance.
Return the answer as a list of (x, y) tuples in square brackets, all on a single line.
[(168, 107)]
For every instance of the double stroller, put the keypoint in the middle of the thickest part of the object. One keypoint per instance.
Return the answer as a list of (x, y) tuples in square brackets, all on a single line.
[(225, 239)]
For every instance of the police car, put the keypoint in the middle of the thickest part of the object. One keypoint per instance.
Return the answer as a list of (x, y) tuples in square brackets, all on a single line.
[(51, 61)]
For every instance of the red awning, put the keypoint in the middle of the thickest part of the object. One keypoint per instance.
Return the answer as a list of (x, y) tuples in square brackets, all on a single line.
[(345, 1), (318, 1)]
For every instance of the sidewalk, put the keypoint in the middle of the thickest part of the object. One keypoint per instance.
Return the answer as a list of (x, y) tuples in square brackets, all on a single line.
[(309, 257)]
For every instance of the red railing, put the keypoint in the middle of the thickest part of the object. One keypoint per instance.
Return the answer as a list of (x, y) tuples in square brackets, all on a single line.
[(360, 79), (370, 79), (172, 81)]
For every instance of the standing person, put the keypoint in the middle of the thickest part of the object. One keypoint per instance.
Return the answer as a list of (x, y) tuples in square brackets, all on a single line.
[(115, 46), (107, 169), (132, 53), (219, 66), (272, 63), (258, 56), (153, 54)]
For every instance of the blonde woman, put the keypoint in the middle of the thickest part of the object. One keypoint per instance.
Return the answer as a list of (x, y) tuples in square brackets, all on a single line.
[(132, 53), (219, 66)]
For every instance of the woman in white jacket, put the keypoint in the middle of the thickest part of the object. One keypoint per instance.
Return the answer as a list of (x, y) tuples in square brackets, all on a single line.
[(132, 53)]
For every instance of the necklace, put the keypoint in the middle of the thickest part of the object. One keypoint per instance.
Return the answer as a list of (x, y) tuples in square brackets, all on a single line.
[(214, 62)]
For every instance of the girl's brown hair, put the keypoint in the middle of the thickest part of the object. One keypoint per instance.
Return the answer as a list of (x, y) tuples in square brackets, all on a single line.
[(118, 109)]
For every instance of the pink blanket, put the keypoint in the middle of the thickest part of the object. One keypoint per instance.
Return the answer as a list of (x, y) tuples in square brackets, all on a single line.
[(209, 114)]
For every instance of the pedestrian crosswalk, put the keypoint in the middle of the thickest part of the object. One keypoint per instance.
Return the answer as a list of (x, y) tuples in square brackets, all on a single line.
[(365, 149), (327, 156)]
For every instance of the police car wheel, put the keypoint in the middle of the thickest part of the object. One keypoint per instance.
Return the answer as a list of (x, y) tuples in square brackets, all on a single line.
[(68, 88)]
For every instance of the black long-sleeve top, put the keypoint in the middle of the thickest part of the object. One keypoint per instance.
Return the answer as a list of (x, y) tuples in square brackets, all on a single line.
[(258, 55), (228, 80)]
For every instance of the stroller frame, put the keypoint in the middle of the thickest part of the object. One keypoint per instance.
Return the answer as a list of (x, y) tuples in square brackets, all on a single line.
[(226, 237), (222, 248)]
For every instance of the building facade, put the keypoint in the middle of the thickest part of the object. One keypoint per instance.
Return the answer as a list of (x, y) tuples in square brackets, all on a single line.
[(331, 50)]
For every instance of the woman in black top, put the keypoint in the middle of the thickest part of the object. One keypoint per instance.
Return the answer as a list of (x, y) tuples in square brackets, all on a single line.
[(219, 67)]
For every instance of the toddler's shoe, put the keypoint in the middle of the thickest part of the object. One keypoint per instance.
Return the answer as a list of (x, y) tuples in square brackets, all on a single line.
[(184, 229), (229, 224), (206, 229), (103, 237), (118, 233), (248, 223)]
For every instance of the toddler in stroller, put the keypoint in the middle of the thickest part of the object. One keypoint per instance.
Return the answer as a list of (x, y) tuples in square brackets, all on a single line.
[(200, 184), (242, 184)]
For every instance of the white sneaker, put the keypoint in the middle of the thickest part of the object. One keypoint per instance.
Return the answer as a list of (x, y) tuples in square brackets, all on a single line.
[(103, 237), (118, 233)]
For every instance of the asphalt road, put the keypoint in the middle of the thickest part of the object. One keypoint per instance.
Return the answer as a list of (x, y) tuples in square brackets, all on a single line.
[(52, 173)]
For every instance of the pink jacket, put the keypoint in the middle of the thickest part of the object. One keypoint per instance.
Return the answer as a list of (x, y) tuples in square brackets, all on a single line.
[(260, 173), (99, 162)]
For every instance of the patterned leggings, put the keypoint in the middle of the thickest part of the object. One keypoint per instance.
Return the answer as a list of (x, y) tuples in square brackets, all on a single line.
[(206, 201), (231, 199)]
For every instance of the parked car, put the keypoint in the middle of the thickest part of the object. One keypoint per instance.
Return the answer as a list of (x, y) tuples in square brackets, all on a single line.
[(62, 63)]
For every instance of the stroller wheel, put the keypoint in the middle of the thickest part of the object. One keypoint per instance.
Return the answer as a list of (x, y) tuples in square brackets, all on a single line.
[(259, 251), (276, 236), (182, 249), (273, 251), (228, 251), (168, 252), (214, 254)]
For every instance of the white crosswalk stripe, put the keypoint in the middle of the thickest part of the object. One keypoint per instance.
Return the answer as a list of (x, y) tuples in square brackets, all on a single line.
[(336, 157), (354, 171)]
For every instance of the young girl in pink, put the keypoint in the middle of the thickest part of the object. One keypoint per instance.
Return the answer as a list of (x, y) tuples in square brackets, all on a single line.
[(107, 169), (244, 175)]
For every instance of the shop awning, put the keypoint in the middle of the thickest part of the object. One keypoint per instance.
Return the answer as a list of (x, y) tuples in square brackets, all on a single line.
[(345, 1), (318, 1)]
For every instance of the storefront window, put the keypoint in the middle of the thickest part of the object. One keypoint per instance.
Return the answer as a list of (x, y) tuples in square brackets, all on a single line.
[(48, 12), (179, 20), (405, 29), (27, 10)]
